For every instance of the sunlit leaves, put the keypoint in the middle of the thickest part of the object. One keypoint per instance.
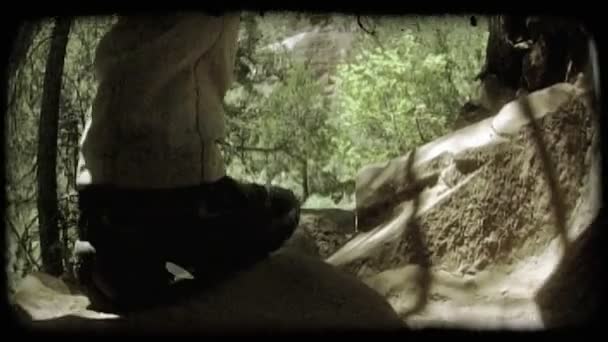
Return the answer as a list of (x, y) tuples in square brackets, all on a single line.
[(404, 87)]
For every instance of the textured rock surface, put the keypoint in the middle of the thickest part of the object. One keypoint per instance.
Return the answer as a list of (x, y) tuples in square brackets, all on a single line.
[(465, 231), (380, 187), (480, 204), (284, 293)]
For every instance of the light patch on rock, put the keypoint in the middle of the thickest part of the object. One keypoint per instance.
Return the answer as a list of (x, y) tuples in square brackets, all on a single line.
[(512, 117), (45, 297), (398, 280), (179, 272)]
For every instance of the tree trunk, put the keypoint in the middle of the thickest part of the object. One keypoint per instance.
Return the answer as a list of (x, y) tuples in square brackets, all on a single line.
[(534, 52), (50, 246)]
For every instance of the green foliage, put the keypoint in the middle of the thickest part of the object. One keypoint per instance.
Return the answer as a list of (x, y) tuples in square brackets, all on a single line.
[(287, 131), (404, 87), (397, 89), (401, 87), (24, 93)]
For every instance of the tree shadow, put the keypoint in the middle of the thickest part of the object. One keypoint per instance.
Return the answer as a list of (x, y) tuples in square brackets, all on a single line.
[(420, 253), (548, 169), (574, 294), (413, 232)]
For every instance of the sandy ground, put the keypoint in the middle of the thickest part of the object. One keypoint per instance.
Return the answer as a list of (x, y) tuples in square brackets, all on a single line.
[(496, 298)]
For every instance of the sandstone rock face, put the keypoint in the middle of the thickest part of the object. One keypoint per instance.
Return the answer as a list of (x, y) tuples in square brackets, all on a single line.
[(285, 293), (488, 227), (478, 195)]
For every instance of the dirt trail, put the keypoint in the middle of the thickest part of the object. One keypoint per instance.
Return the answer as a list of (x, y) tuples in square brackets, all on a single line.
[(496, 298)]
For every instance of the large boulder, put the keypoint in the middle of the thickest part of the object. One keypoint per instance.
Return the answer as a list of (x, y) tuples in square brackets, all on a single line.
[(285, 293), (463, 231), (477, 196), (574, 294)]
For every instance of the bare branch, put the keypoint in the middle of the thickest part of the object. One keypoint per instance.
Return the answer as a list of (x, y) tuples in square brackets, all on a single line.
[(42, 41), (74, 84), (21, 201), (22, 244), (279, 148), (13, 94), (370, 32), (31, 223), (28, 173)]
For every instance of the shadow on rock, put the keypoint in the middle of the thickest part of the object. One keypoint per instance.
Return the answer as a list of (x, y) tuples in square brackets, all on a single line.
[(283, 294), (575, 294), (419, 249)]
